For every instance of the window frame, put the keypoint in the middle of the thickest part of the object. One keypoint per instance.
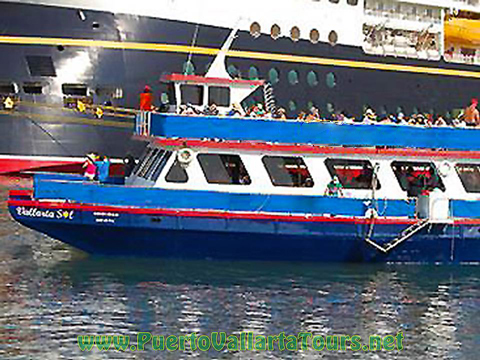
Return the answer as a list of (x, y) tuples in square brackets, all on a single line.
[(331, 167), (224, 158), (201, 94), (224, 91), (462, 180), (276, 183), (401, 181)]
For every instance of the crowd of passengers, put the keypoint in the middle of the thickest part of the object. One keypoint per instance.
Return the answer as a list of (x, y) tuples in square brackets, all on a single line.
[(468, 117)]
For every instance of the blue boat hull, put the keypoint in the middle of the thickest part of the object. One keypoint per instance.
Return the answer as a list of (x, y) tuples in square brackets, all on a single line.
[(185, 236)]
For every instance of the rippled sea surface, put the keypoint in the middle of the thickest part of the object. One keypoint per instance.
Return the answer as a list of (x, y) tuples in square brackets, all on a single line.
[(50, 294)]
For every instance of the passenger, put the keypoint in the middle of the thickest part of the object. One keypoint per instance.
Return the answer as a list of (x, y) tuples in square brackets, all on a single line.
[(302, 116), (308, 182), (258, 110), (281, 114), (440, 122), (334, 188), (211, 110), (433, 181), (236, 110), (90, 167), (313, 115), (128, 164), (103, 168), (245, 180), (471, 115), (146, 99), (369, 116)]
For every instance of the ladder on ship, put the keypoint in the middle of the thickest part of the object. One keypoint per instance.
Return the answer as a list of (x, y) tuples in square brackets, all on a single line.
[(270, 105), (404, 236)]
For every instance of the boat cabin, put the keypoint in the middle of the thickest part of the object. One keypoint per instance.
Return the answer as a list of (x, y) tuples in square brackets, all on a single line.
[(200, 92)]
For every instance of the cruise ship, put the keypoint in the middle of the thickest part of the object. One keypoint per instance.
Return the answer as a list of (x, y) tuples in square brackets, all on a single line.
[(71, 71)]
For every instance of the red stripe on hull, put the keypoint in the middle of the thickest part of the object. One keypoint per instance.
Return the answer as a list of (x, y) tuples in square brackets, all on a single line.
[(10, 166), (313, 149)]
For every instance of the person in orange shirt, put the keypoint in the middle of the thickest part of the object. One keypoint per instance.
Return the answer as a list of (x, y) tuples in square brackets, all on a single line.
[(471, 115), (146, 99)]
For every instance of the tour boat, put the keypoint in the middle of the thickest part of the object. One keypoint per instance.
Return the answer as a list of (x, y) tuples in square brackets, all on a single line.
[(232, 187)]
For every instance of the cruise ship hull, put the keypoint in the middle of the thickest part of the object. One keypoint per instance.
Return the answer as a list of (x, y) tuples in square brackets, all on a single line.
[(127, 52)]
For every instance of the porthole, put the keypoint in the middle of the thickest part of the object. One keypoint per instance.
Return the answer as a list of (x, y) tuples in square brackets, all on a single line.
[(312, 79), (95, 25), (255, 29), (164, 99), (233, 71), (253, 73), (334, 1), (314, 36), (330, 108), (275, 32), (188, 68), (352, 2), (273, 76), (292, 105), (310, 105), (330, 80), (60, 48), (295, 33), (332, 37), (293, 77)]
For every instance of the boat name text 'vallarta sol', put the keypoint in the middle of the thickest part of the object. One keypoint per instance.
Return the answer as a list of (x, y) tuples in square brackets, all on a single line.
[(46, 214)]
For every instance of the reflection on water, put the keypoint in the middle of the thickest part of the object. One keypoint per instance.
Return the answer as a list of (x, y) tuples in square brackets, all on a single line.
[(50, 294)]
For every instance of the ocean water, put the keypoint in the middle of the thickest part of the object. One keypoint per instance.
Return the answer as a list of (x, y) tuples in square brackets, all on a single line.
[(50, 294)]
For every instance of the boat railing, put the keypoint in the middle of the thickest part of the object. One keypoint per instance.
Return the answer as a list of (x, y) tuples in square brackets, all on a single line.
[(143, 122)]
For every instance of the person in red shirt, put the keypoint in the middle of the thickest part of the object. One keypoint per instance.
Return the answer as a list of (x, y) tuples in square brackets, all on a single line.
[(146, 99)]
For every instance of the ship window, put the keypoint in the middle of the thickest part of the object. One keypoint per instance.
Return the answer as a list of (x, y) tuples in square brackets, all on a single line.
[(141, 161), (295, 33), (148, 164), (74, 89), (255, 29), (288, 171), (192, 94), (219, 96), (109, 92), (312, 79), (159, 165), (332, 37), (188, 68), (224, 169), (8, 88), (273, 76), (352, 174), (293, 77), (330, 80), (470, 176), (176, 174), (414, 177), (334, 1), (233, 71), (292, 105), (41, 66), (314, 36), (253, 73), (275, 31), (32, 88), (352, 2)]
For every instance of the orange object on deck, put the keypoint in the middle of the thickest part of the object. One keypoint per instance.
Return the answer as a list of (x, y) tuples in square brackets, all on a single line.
[(146, 99)]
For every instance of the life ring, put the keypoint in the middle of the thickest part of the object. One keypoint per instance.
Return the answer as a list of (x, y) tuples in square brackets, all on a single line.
[(185, 156), (444, 168)]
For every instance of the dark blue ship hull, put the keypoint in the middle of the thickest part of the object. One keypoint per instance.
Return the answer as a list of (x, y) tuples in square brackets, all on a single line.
[(120, 232), (103, 56)]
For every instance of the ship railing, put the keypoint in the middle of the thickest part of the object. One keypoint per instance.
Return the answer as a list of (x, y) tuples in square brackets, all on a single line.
[(143, 123)]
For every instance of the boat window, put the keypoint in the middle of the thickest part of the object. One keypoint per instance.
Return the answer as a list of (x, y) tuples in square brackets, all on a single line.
[(295, 33), (352, 174), (233, 71), (470, 176), (224, 169), (332, 37), (7, 88), (287, 171), (158, 165), (255, 29), (334, 1), (149, 162), (141, 162), (330, 80), (74, 89), (253, 73), (192, 94), (219, 95), (176, 174), (41, 66), (293, 77), (312, 78), (352, 2), (32, 88), (415, 177), (109, 92)]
